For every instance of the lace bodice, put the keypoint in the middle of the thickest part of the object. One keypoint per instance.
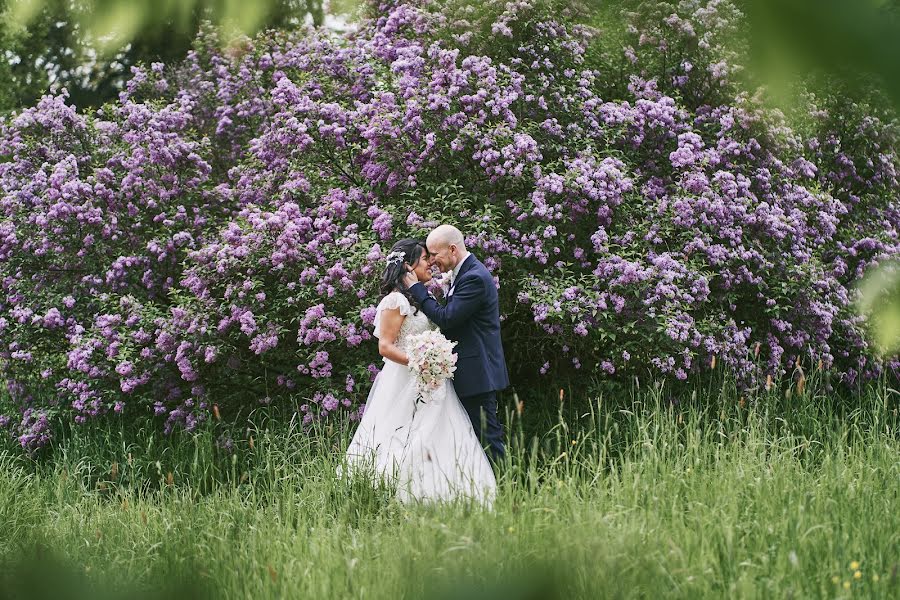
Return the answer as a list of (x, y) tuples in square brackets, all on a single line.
[(412, 324)]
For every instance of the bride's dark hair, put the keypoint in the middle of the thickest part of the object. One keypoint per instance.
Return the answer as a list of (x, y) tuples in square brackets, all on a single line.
[(395, 270)]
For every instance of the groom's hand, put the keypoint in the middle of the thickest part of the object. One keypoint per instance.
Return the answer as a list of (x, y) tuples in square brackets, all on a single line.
[(410, 279)]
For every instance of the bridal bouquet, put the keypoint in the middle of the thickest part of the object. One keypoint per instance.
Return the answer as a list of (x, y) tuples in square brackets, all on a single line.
[(432, 360)]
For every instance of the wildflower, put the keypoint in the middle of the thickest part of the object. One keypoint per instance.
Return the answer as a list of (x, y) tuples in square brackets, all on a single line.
[(857, 575), (854, 565)]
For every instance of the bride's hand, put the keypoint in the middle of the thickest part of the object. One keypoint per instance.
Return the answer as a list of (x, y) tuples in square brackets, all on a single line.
[(410, 279)]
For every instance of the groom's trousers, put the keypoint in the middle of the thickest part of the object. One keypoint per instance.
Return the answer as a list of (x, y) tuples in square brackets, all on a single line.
[(482, 410)]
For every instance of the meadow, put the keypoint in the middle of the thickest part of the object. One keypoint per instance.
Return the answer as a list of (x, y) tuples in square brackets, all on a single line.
[(651, 492)]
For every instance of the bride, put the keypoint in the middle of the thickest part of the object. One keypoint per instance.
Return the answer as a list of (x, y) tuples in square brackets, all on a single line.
[(427, 449)]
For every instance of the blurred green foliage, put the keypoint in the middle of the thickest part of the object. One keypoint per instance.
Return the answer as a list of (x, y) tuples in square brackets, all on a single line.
[(880, 304), (43, 573), (89, 46), (854, 43)]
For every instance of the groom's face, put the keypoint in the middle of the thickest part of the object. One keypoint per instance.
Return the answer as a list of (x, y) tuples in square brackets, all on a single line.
[(443, 256)]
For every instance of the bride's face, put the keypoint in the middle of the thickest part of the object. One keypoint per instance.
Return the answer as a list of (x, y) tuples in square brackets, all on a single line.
[(421, 268)]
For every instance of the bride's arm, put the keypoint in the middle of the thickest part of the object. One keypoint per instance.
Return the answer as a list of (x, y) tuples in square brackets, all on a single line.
[(391, 320)]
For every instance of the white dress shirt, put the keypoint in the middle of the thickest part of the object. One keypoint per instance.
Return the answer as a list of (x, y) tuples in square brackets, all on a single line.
[(456, 269)]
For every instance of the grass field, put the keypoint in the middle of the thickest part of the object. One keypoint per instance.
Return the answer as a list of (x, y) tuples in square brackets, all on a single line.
[(626, 497)]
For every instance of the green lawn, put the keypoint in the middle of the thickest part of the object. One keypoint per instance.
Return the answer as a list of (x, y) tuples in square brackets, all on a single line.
[(626, 497)]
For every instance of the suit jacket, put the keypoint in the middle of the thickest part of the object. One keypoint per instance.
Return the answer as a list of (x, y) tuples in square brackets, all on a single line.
[(471, 318)]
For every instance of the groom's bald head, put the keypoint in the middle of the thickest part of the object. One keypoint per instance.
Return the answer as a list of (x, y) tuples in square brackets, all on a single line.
[(447, 246), (444, 235)]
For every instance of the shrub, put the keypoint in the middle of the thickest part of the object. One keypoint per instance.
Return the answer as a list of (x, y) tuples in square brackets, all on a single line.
[(216, 236)]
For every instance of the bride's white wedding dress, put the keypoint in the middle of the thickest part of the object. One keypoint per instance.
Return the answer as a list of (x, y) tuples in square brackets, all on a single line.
[(427, 449)]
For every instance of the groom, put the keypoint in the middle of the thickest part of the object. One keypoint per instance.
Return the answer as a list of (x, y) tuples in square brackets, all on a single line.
[(471, 317)]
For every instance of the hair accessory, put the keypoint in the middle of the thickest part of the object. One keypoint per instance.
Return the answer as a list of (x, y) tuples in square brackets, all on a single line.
[(395, 257)]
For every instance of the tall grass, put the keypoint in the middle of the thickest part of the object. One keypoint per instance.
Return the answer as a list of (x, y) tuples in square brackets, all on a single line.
[(695, 493)]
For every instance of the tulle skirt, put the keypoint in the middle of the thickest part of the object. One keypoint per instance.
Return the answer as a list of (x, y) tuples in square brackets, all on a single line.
[(428, 450)]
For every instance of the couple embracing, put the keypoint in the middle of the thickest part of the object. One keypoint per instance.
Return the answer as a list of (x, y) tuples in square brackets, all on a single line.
[(434, 450)]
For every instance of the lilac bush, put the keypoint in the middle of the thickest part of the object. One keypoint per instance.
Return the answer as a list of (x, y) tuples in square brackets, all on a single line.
[(216, 235)]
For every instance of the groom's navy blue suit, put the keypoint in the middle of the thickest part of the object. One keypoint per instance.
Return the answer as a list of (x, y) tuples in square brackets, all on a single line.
[(471, 317)]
